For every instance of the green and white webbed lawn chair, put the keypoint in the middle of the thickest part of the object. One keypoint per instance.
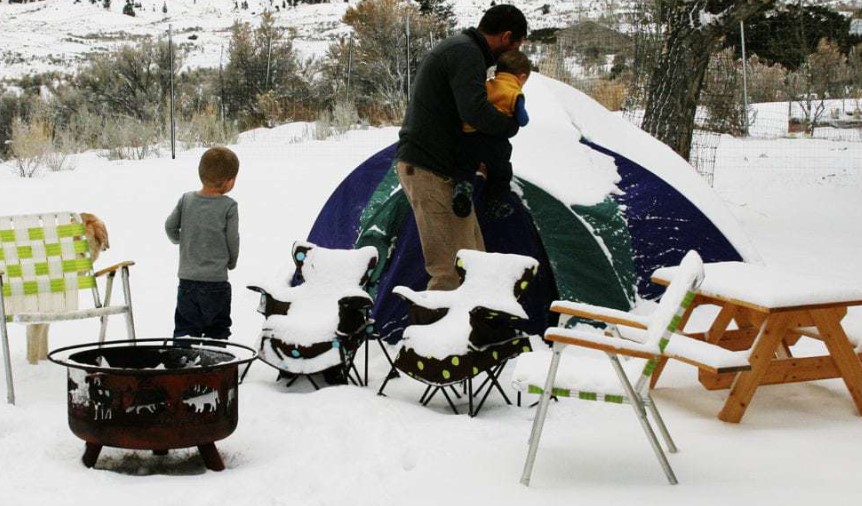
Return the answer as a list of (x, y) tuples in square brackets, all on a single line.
[(44, 263), (640, 341)]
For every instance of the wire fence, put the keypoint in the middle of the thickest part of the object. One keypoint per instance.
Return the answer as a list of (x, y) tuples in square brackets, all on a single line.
[(772, 83)]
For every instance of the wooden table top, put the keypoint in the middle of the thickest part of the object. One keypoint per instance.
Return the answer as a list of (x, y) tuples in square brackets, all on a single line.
[(768, 289)]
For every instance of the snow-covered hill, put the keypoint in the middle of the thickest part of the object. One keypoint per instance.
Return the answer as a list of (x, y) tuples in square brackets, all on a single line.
[(59, 34)]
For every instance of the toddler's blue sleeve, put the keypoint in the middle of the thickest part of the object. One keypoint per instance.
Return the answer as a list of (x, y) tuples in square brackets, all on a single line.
[(521, 115)]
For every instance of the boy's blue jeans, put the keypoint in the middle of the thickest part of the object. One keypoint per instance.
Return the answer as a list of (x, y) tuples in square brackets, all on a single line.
[(203, 309)]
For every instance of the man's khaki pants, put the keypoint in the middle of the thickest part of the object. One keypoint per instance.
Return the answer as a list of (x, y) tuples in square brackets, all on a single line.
[(441, 232)]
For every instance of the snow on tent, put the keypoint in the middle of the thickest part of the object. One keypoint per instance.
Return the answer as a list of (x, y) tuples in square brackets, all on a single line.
[(599, 203)]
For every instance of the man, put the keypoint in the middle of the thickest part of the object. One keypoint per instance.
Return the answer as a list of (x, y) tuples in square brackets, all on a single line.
[(450, 90)]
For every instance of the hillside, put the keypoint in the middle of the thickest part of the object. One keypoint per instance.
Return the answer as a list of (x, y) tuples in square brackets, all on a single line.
[(60, 34)]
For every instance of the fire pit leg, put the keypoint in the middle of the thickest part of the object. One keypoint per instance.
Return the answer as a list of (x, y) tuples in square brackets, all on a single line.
[(91, 454), (211, 457)]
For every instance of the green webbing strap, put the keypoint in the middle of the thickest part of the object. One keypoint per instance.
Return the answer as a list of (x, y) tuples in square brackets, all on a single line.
[(38, 233), (57, 286), (54, 249), (41, 268), (587, 396)]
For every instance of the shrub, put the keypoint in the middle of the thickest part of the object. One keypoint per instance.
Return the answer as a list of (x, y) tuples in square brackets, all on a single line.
[(130, 139), (611, 94), (31, 144), (205, 128)]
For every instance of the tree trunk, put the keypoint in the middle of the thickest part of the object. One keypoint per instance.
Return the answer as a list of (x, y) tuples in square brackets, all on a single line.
[(693, 31)]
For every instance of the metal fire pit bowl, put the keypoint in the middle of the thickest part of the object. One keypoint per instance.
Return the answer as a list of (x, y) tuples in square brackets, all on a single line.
[(153, 394)]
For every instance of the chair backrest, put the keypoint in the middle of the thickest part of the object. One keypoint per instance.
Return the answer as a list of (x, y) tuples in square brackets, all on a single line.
[(334, 269), (676, 299), (46, 259), (502, 276)]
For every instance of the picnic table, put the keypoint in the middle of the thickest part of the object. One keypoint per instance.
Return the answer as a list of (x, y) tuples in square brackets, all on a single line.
[(772, 309)]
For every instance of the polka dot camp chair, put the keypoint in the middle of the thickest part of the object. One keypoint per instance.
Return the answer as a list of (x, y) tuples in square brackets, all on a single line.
[(319, 324), (44, 264), (457, 335), (640, 341)]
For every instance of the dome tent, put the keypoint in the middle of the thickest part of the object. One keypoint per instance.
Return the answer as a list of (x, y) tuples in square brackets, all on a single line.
[(598, 202)]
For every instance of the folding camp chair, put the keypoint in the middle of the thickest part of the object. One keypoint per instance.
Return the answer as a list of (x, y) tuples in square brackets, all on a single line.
[(318, 325), (456, 335), (44, 262), (643, 340)]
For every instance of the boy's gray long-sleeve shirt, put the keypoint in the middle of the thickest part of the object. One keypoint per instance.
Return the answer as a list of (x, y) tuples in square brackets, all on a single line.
[(207, 230)]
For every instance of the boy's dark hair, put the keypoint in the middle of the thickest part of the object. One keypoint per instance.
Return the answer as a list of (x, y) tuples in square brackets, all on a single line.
[(513, 62), (504, 18), (217, 165)]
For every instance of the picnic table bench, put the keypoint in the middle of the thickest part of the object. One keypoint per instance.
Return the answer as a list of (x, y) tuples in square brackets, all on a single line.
[(772, 309)]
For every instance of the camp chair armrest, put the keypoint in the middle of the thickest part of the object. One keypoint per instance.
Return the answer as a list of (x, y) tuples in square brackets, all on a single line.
[(114, 268), (428, 299), (599, 313), (601, 342), (706, 356), (495, 314)]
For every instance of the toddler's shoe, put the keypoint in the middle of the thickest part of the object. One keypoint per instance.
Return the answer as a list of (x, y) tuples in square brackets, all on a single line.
[(462, 199)]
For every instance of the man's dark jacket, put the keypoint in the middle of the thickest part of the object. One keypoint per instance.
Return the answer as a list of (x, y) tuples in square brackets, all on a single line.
[(449, 90)]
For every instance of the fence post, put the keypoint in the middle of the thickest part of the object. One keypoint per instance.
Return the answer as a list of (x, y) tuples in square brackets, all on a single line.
[(745, 124), (221, 83), (268, 57), (349, 64), (173, 125), (407, 60)]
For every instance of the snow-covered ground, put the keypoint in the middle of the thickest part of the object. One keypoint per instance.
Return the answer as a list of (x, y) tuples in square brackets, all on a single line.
[(60, 34), (345, 445)]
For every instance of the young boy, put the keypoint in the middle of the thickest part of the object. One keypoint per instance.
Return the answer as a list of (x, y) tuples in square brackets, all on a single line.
[(205, 225), (476, 148)]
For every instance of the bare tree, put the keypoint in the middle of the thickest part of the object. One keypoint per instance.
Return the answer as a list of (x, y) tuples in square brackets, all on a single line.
[(693, 31)]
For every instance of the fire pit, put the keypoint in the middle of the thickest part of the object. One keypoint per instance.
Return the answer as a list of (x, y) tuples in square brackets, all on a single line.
[(153, 394)]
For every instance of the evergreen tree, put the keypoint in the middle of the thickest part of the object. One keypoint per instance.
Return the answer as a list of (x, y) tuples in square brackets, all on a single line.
[(129, 8), (442, 9), (789, 33), (165, 8), (261, 63)]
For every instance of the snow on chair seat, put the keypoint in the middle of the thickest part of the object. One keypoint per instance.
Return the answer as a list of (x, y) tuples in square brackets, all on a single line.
[(456, 335), (317, 325), (642, 340), (44, 262)]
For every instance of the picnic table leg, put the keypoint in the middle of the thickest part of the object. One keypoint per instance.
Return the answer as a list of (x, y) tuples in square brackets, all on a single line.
[(746, 382), (828, 322)]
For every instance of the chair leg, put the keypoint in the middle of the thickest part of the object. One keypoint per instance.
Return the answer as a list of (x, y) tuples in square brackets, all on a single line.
[(539, 420), (638, 405), (659, 421), (7, 358), (366, 359), (109, 289), (386, 380), (127, 293), (470, 393), (493, 384), (433, 393), (449, 400), (422, 399)]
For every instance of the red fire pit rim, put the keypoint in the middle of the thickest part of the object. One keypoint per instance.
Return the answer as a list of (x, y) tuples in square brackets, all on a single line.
[(243, 355)]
